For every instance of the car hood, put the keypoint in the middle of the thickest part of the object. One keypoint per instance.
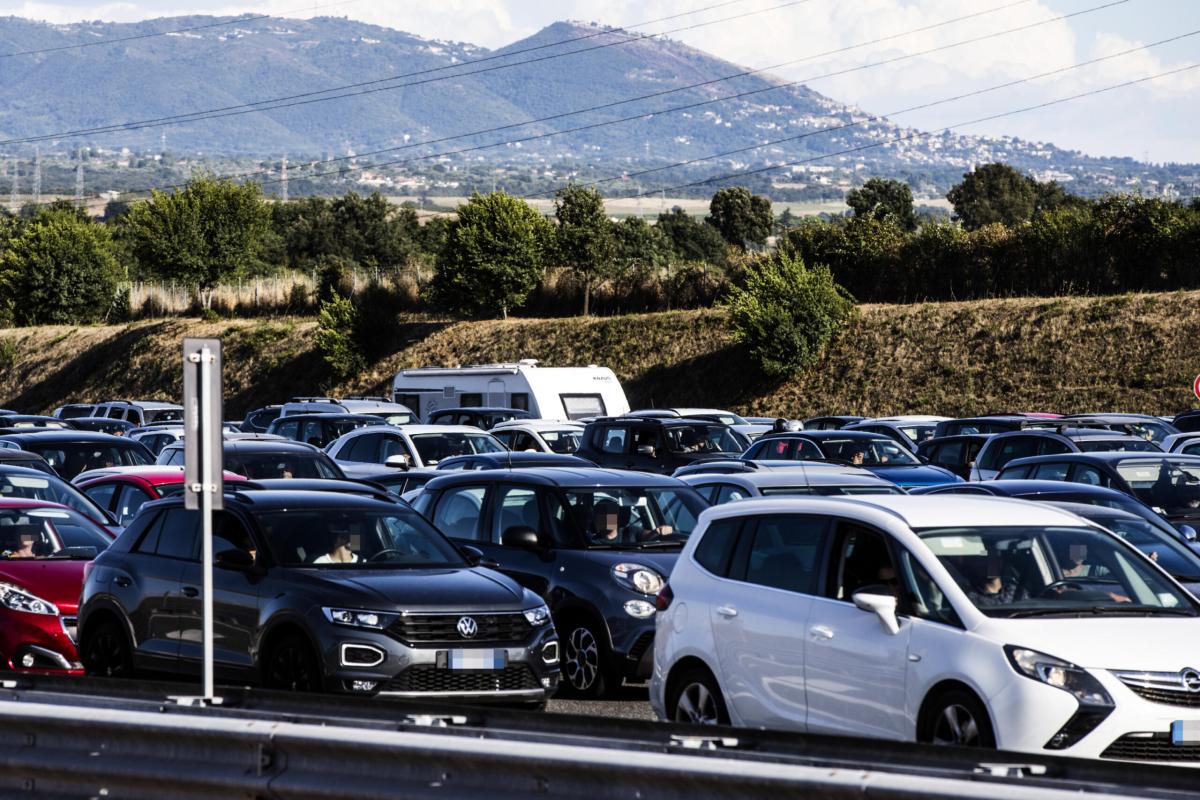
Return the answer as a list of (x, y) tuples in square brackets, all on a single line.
[(451, 589), (1152, 644), (56, 581), (915, 474), (663, 561)]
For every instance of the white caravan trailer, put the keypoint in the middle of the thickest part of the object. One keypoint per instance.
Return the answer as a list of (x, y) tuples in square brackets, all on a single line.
[(559, 393)]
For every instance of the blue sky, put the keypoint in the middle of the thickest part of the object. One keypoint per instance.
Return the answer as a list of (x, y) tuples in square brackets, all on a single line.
[(1156, 120)]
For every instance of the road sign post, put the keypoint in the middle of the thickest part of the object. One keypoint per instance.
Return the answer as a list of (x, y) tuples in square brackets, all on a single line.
[(203, 467)]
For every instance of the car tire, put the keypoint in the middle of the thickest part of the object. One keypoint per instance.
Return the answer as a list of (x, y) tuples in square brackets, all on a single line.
[(585, 662), (105, 651), (696, 699), (291, 666), (956, 718)]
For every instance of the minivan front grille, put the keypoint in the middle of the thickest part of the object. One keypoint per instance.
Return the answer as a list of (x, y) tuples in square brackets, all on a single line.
[(443, 628), (1169, 688)]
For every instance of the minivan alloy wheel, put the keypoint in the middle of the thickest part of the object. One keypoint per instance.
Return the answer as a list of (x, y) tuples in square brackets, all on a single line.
[(956, 725), (581, 659), (697, 706)]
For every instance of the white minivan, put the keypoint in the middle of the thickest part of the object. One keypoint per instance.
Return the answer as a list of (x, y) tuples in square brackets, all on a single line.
[(979, 621)]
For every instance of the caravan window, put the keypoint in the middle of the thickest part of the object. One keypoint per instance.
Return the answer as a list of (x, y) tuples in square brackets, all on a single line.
[(470, 400), (412, 401), (519, 401), (579, 406)]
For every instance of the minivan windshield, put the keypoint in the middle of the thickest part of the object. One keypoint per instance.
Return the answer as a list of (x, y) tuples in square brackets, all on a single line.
[(1029, 571), (867, 452), (630, 517), (356, 539), (1172, 484), (434, 447)]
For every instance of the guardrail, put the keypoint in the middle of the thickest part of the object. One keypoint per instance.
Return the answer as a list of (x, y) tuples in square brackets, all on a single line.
[(95, 739)]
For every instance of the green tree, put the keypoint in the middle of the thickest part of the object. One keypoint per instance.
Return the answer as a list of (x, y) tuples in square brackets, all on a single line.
[(787, 313), (369, 231), (337, 322), (494, 256), (692, 240), (640, 246), (210, 231), (993, 193), (584, 238), (884, 199), (743, 219), (59, 269)]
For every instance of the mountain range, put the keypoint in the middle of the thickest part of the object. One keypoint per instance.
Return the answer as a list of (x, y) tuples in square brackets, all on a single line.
[(227, 62)]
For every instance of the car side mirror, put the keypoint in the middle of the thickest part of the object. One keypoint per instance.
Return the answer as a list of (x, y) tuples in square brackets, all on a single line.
[(1188, 532), (645, 450), (235, 559), (880, 602), (401, 461), (520, 536), (476, 558)]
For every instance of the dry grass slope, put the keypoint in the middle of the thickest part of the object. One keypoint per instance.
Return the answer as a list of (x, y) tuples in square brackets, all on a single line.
[(1133, 352)]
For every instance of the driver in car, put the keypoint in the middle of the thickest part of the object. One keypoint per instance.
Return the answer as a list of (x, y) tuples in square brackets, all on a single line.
[(606, 526)]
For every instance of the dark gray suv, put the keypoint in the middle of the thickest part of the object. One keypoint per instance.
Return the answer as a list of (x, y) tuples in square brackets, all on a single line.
[(316, 591)]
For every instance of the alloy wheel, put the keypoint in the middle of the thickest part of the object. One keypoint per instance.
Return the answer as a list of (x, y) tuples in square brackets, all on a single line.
[(697, 706), (956, 725), (107, 654), (292, 669), (581, 659)]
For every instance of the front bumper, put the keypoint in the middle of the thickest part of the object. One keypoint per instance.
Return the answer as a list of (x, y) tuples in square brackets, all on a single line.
[(38, 643)]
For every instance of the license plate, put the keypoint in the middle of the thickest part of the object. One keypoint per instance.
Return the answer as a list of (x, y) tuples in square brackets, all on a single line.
[(473, 659), (1185, 732)]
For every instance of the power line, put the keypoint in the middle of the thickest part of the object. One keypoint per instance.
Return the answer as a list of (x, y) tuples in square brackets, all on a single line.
[(242, 20), (916, 134), (306, 98)]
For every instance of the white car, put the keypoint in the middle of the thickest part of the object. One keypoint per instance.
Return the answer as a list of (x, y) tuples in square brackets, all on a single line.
[(360, 452), (540, 435), (976, 621)]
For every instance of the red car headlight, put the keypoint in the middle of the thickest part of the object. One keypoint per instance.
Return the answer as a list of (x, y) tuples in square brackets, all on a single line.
[(17, 599)]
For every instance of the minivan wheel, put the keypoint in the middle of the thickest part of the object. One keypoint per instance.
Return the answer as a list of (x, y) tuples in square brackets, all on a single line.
[(106, 653), (585, 668), (696, 699), (292, 666), (957, 718)]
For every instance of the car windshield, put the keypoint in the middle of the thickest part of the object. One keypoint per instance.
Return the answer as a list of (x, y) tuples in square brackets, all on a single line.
[(828, 491), (165, 415), (703, 439), (867, 452), (631, 517), (1115, 445), (1027, 571), (564, 442), (71, 458), (356, 539), (918, 433), (1167, 551), (50, 489), (48, 533), (344, 426), (257, 466), (1170, 484), (434, 447)]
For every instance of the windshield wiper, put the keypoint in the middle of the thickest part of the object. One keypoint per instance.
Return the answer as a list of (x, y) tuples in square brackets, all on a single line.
[(659, 543), (1101, 611)]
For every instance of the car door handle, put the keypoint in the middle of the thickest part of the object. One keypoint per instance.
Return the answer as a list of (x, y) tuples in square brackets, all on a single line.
[(820, 632), (727, 611), (191, 591), (123, 582)]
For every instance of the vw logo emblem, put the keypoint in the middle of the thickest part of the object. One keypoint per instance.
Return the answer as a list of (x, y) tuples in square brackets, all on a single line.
[(1190, 679), (467, 628)]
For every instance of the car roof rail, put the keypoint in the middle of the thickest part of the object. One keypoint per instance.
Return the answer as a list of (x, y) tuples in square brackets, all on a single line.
[(366, 397), (314, 399)]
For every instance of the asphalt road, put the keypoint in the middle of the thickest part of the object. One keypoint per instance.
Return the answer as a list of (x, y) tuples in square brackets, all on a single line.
[(631, 702)]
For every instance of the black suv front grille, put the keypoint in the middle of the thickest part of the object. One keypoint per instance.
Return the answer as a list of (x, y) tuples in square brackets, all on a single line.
[(428, 678), (443, 628), (1152, 747)]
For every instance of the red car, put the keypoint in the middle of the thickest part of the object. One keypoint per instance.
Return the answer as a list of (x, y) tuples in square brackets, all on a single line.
[(121, 491), (45, 549)]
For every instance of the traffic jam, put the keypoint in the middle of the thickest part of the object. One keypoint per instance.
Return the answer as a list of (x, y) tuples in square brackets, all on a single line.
[(512, 533)]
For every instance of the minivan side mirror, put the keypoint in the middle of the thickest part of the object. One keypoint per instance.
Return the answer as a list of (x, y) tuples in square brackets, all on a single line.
[(520, 536), (235, 559), (400, 461), (880, 602)]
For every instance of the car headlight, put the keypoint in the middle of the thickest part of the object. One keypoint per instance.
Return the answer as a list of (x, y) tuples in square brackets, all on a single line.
[(537, 616), (358, 619), (639, 578), (1058, 673), (16, 599)]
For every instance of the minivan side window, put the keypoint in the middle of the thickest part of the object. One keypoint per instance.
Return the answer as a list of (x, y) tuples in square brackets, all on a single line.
[(925, 599), (784, 552), (861, 560)]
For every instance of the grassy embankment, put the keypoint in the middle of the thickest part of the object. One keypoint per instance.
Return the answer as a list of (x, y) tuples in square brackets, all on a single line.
[(1136, 352)]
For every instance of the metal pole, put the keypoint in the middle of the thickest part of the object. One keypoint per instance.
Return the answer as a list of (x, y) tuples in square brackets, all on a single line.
[(206, 503)]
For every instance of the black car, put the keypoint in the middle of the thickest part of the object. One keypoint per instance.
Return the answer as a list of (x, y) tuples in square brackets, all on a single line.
[(117, 427), (991, 423), (316, 591), (258, 420), (661, 445), (320, 429), (480, 417), (956, 453), (15, 423), (1188, 421), (73, 452), (833, 423), (596, 544), (509, 460), (255, 459)]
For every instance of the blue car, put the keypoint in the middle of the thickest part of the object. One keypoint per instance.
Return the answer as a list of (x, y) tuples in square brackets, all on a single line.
[(871, 451)]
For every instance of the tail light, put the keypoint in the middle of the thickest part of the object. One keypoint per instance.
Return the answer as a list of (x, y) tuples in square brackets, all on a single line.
[(662, 600)]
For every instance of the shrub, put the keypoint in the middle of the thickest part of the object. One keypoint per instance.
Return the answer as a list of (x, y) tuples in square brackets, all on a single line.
[(336, 323), (787, 313)]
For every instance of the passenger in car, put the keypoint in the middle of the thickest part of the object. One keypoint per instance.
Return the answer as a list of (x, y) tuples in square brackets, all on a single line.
[(995, 590), (24, 549), (339, 552)]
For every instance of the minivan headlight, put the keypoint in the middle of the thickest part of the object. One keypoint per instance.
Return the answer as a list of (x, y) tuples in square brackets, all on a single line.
[(17, 599), (358, 619), (639, 578), (1058, 673), (537, 616)]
